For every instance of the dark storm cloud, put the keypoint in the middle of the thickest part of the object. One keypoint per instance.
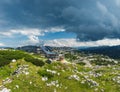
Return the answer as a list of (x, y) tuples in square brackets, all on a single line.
[(89, 19)]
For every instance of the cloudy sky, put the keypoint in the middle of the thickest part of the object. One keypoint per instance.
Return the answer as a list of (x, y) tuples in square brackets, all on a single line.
[(60, 22)]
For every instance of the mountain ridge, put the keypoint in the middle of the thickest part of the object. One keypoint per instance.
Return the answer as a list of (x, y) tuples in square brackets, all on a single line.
[(111, 51)]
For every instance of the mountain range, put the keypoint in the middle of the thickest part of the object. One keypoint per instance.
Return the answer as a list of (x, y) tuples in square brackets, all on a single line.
[(111, 51)]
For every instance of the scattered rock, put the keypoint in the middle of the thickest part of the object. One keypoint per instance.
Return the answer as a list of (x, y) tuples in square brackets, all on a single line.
[(5, 90), (22, 69), (14, 60), (51, 71), (7, 80), (44, 78), (53, 83), (76, 77), (17, 86)]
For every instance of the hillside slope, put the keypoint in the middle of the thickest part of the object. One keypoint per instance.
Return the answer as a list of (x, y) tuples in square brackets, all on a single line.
[(22, 76)]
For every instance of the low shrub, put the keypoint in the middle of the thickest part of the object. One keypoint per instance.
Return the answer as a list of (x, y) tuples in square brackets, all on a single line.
[(44, 73)]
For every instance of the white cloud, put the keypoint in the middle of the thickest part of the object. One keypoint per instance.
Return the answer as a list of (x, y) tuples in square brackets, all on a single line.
[(31, 31), (108, 15), (33, 39), (27, 32), (74, 43), (10, 1), (118, 3), (1, 44), (6, 33), (102, 8), (54, 29)]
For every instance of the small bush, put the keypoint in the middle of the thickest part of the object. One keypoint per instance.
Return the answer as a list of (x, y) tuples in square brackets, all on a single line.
[(70, 56), (81, 63), (44, 73), (7, 56), (34, 61), (102, 62)]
